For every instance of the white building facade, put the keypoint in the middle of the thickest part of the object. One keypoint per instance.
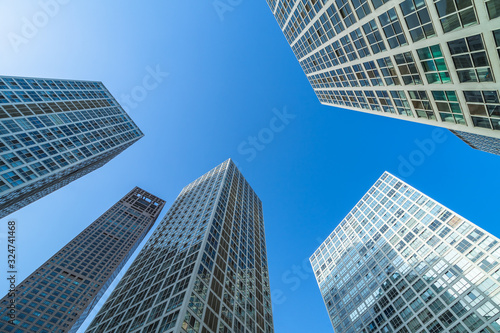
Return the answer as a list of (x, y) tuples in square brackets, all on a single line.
[(401, 262), (434, 62)]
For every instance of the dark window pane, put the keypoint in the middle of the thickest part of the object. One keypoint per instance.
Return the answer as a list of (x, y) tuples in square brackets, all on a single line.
[(457, 46)]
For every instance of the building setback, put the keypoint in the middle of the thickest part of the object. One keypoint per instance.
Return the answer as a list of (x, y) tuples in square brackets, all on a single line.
[(53, 132), (433, 62), (401, 262), (60, 294), (203, 270)]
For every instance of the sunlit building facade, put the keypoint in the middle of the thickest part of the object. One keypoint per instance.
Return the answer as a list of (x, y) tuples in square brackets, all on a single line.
[(53, 132), (401, 262), (60, 294), (433, 62), (203, 270)]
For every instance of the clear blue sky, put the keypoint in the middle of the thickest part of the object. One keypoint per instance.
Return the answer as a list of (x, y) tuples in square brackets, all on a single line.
[(225, 79)]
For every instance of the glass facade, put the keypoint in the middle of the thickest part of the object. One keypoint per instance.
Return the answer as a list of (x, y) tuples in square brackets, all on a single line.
[(401, 262), (60, 294), (484, 143), (54, 131), (351, 50), (203, 270)]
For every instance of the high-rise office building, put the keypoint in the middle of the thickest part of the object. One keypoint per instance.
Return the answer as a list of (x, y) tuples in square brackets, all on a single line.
[(60, 294), (53, 132), (204, 269), (433, 62), (401, 262)]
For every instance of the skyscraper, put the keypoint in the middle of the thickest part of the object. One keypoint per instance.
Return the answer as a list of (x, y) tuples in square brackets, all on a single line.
[(401, 262), (433, 62), (204, 269), (53, 132), (60, 294)]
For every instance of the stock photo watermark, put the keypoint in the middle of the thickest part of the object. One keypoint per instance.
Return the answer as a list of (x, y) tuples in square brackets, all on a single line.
[(425, 148), (224, 6), (151, 81), (253, 144), (31, 26), (10, 239)]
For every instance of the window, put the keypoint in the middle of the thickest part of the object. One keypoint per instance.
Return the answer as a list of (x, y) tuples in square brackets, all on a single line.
[(348, 48), (432, 61), (373, 36), (414, 325), (473, 322), (388, 71), (496, 35), (460, 308), (422, 104), (425, 316), (372, 101), (459, 329), (392, 28), (360, 75), (406, 313), (373, 73), (493, 7), (378, 3), (470, 59), (361, 7), (436, 306), (12, 178), (360, 44), (417, 19), (484, 107), (435, 327), (407, 68), (448, 107), (27, 173), (455, 14), (447, 318), (401, 102), (346, 12)]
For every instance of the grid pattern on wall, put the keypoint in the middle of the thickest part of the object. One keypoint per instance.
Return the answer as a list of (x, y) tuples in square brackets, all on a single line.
[(203, 270), (480, 142), (401, 262), (381, 57), (50, 129), (60, 294)]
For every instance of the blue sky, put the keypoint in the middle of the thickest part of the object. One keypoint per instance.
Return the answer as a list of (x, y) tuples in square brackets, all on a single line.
[(227, 81)]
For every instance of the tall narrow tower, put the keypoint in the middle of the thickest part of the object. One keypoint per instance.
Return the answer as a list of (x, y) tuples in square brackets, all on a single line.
[(53, 132), (402, 262), (203, 270), (433, 62), (60, 294)]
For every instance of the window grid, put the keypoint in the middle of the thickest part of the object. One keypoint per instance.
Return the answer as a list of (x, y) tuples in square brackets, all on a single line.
[(455, 14), (470, 59), (484, 107), (422, 104), (417, 19), (434, 65), (448, 107), (392, 29), (390, 264)]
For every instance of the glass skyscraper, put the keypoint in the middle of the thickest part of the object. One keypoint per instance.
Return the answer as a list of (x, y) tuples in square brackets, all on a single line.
[(60, 294), (53, 132), (203, 270), (433, 62), (401, 262)]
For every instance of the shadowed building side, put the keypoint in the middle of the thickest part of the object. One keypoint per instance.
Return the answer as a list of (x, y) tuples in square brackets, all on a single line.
[(59, 295)]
